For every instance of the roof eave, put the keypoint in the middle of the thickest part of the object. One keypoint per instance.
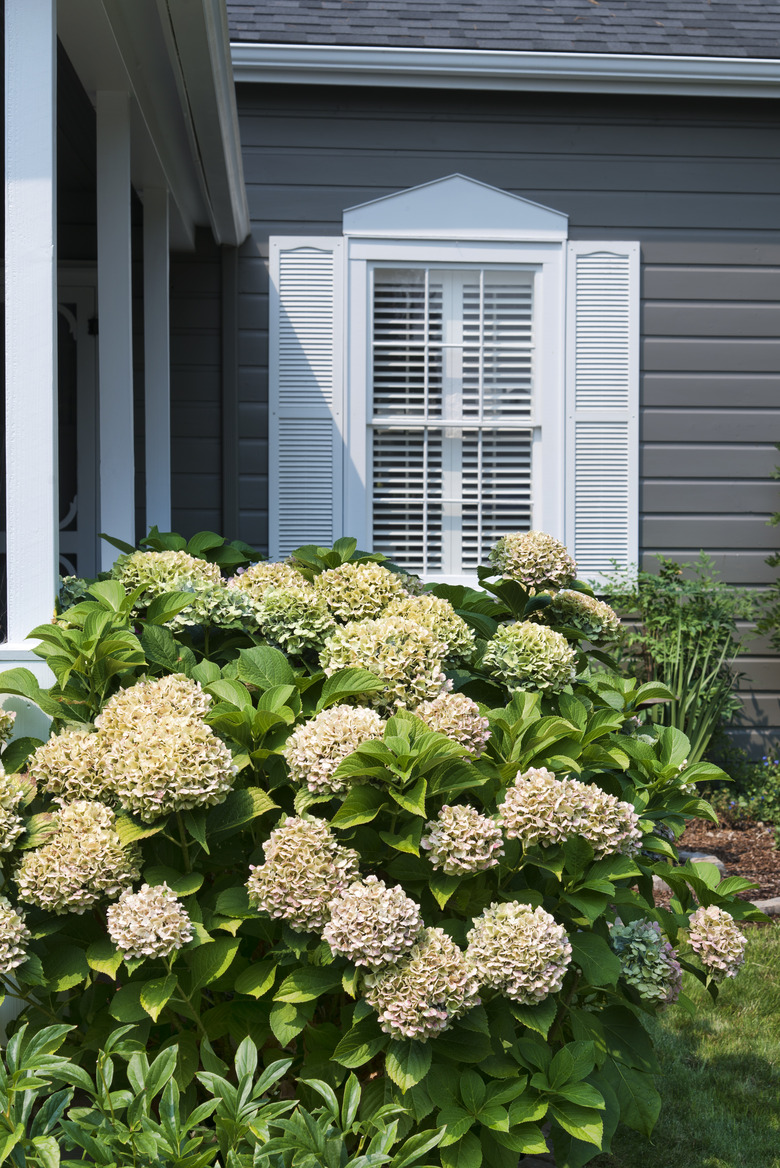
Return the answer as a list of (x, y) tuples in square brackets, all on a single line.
[(502, 69)]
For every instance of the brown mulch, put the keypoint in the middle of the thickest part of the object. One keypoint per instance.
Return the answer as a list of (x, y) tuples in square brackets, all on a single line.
[(746, 848)]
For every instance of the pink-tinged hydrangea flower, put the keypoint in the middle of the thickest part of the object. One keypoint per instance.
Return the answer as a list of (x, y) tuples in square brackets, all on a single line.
[(426, 991), (315, 749), (69, 766), (168, 764), (173, 695), (7, 719), (594, 618), (12, 793), (541, 809), (372, 924), (406, 656), (305, 869), (536, 560), (13, 934), (149, 923), (458, 717), (526, 655), (356, 592), (83, 862), (520, 951), (647, 960), (717, 941), (461, 841), (438, 615)]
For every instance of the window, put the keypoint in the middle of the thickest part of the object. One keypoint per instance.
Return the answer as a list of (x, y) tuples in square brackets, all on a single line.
[(450, 370)]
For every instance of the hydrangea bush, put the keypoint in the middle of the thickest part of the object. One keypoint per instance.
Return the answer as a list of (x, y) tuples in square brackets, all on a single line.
[(382, 829)]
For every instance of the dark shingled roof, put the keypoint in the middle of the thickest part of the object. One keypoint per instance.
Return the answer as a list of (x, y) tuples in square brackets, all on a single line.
[(710, 28)]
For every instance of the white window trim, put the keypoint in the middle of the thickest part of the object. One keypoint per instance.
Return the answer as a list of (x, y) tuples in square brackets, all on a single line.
[(547, 261)]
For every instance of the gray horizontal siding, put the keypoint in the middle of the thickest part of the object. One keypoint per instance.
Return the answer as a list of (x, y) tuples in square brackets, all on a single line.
[(695, 181)]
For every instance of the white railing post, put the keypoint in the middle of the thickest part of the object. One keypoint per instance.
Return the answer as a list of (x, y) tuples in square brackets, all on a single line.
[(115, 317), (157, 361), (31, 312)]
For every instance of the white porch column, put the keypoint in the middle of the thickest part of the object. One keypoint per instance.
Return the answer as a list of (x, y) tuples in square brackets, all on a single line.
[(115, 316), (32, 521), (157, 359)]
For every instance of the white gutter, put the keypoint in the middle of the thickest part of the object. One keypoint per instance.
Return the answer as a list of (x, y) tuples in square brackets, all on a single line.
[(489, 69)]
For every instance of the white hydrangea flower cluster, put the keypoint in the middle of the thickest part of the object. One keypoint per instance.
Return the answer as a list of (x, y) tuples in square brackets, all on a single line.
[(438, 615), (357, 592), (426, 991), (82, 863), (153, 753), (541, 809), (406, 656), (461, 841), (266, 576), (305, 869), (536, 560), (717, 941), (7, 719), (214, 605), (457, 717), (11, 822), (520, 951), (314, 750), (13, 934), (526, 655), (168, 764), (591, 616), (161, 572), (149, 923), (296, 618), (69, 766), (648, 961), (372, 924)]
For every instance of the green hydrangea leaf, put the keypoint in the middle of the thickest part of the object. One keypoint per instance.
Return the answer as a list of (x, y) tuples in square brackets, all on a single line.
[(407, 1062)]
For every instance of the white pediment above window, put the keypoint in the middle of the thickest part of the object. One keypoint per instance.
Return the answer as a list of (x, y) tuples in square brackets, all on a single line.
[(455, 208)]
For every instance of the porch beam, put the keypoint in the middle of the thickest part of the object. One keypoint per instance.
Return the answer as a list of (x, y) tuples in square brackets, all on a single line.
[(157, 358), (32, 519), (115, 316)]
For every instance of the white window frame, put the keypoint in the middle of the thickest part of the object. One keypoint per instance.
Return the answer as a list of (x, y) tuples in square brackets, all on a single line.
[(546, 261)]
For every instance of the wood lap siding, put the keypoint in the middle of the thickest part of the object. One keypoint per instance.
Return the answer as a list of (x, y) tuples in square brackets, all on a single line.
[(196, 380), (696, 181)]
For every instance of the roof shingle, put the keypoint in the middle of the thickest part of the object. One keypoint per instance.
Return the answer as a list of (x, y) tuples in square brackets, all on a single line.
[(711, 28)]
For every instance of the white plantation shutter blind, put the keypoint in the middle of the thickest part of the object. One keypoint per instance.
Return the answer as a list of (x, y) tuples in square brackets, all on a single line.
[(305, 393), (602, 400), (452, 364)]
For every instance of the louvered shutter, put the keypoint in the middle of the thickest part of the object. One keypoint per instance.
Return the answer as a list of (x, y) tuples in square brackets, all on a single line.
[(305, 393), (602, 406), (452, 356)]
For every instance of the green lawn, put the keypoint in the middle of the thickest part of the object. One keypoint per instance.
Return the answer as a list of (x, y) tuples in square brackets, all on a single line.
[(720, 1075)]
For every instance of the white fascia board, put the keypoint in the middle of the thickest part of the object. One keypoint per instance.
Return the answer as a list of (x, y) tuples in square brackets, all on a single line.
[(202, 45), (488, 69)]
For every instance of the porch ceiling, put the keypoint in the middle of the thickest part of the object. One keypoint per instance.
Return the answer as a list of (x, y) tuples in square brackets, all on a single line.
[(173, 58)]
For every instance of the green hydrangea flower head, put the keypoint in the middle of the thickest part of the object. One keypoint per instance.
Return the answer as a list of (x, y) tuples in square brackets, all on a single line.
[(591, 616), (457, 717), (537, 561), (529, 656), (296, 618), (462, 841), (406, 656), (438, 615), (356, 592), (648, 961)]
